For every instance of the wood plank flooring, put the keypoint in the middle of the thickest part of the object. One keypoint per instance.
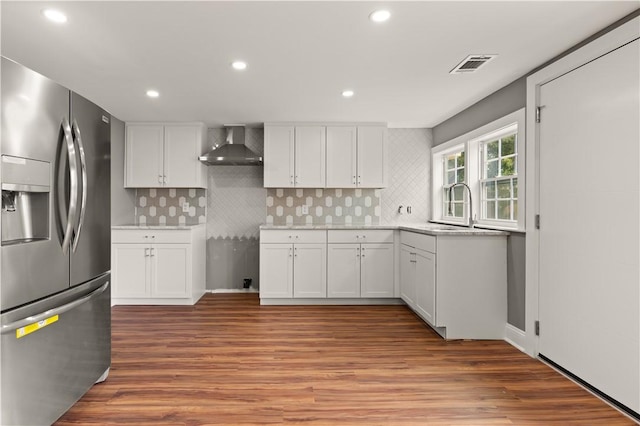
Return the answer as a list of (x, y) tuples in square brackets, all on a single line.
[(230, 361)]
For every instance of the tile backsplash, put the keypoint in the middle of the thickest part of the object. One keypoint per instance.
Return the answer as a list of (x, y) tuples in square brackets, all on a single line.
[(163, 206), (326, 206)]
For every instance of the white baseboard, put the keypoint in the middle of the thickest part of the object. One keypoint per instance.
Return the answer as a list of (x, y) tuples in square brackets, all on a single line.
[(515, 337)]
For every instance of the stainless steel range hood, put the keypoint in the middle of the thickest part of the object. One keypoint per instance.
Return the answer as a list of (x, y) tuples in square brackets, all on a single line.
[(233, 153)]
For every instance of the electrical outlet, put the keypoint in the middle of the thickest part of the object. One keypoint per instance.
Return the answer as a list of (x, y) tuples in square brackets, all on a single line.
[(305, 209), (185, 207)]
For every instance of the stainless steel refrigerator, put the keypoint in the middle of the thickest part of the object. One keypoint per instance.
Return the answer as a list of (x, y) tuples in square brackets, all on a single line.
[(55, 318)]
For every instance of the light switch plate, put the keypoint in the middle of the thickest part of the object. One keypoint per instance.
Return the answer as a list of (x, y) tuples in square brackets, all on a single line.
[(305, 209)]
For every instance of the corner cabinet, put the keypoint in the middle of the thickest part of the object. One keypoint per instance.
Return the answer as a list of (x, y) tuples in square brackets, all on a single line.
[(325, 156), (293, 264), (165, 155), (158, 266), (456, 283)]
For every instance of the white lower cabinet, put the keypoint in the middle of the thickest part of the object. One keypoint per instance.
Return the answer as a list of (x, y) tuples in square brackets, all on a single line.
[(425, 264), (407, 275), (158, 266), (276, 270), (360, 269), (318, 264), (457, 284), (293, 264)]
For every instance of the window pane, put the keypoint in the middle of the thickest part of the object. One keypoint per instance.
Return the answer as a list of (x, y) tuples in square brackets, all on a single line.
[(508, 166), (492, 169), (451, 162), (515, 187), (491, 210), (458, 193), (461, 159), (490, 190), (508, 145), (460, 175), (504, 188), (451, 177), (458, 208), (504, 209), (515, 209), (492, 150)]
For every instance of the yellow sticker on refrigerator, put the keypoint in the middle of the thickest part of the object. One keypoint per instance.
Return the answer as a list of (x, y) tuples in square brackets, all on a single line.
[(28, 329)]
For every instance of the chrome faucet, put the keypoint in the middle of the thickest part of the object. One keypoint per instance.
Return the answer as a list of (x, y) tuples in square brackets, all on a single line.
[(470, 223)]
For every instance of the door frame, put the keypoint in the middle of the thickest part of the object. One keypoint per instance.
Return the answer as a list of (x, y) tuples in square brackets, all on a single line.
[(615, 38)]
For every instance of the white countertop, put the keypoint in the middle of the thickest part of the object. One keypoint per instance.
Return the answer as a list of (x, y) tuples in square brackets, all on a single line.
[(422, 228), (154, 227)]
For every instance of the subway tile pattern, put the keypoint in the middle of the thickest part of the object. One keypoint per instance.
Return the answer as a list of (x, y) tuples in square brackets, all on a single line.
[(349, 206), (163, 206)]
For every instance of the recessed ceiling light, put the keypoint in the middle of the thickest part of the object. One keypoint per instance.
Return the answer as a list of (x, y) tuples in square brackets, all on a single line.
[(153, 93), (347, 93), (380, 15), (239, 65), (55, 16)]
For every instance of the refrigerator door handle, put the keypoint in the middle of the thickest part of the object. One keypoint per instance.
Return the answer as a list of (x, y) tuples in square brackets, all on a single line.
[(73, 181), (83, 167), (51, 312)]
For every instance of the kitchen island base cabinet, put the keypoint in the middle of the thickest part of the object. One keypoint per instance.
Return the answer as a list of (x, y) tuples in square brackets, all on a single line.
[(457, 284), (158, 267)]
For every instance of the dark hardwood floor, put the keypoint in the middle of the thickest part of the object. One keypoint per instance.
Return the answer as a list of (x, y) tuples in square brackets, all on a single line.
[(230, 361)]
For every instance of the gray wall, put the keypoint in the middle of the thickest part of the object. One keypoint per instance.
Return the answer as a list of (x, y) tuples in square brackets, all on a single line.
[(505, 101), (122, 200), (498, 104), (516, 279)]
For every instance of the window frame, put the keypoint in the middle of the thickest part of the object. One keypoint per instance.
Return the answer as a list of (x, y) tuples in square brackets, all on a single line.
[(471, 143)]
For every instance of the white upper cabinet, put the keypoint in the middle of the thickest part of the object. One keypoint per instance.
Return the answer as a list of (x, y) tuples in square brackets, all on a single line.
[(144, 156), (294, 156), (372, 156), (279, 156), (357, 156), (341, 157), (165, 155), (318, 156), (310, 157)]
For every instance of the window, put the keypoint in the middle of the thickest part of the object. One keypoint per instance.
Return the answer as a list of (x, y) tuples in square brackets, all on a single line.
[(499, 183), (453, 173), (487, 160)]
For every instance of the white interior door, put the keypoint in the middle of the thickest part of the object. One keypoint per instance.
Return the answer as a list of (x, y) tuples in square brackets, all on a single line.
[(589, 209)]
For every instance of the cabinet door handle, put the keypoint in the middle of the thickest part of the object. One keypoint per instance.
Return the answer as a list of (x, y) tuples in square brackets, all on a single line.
[(295, 252), (146, 252), (152, 252), (164, 179), (159, 178), (290, 255), (291, 179)]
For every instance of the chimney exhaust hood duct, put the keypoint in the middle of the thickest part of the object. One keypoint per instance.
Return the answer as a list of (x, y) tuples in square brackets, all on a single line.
[(232, 153)]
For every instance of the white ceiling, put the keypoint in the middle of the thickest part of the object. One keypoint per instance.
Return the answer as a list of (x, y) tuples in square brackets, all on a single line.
[(301, 55)]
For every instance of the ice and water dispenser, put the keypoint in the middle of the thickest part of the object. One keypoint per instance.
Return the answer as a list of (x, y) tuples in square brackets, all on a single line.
[(26, 188)]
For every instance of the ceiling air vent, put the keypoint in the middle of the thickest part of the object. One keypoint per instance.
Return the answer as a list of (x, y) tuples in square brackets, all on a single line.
[(471, 63)]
